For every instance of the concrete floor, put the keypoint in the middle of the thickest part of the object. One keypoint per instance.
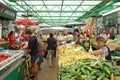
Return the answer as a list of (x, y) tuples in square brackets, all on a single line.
[(47, 73)]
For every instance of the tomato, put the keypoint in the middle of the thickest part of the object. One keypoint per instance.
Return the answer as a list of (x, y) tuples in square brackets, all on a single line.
[(4, 57)]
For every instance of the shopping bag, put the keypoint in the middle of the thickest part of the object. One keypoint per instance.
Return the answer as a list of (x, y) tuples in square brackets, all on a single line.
[(45, 54)]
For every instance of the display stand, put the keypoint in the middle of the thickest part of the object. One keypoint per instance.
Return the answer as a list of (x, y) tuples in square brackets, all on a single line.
[(10, 67)]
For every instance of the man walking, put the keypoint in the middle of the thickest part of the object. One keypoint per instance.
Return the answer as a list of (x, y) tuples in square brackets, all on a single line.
[(32, 49), (50, 47)]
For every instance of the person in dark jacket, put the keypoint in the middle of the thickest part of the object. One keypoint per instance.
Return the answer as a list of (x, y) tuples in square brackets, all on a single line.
[(111, 35), (50, 47)]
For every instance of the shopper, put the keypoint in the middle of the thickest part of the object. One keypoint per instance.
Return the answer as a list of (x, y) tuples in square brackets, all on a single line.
[(104, 51), (41, 51), (77, 36), (104, 34), (69, 37), (32, 49), (111, 35), (17, 36), (23, 38), (50, 47)]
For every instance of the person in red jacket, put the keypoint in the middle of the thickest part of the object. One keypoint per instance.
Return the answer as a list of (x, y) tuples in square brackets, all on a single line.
[(11, 40)]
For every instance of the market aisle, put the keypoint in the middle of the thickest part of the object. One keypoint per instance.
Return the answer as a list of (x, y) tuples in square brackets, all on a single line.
[(47, 73)]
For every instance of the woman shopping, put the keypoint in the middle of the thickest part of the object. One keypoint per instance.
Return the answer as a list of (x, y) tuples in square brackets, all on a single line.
[(104, 51)]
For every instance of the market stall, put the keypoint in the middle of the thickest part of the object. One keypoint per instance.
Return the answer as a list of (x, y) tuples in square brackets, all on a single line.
[(6, 14), (77, 64), (10, 62)]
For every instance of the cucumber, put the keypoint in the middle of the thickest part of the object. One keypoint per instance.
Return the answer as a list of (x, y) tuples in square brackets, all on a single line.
[(100, 64), (98, 74), (78, 70), (106, 78), (107, 65), (93, 72), (102, 76), (88, 73), (74, 78), (83, 70), (117, 73), (67, 76), (106, 70), (89, 69), (94, 67), (94, 77)]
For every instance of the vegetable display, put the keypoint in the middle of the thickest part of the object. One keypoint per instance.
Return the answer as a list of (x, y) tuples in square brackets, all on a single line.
[(115, 41), (70, 55), (4, 57), (89, 70)]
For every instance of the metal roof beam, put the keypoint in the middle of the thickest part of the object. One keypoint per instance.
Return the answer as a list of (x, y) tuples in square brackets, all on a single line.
[(75, 10), (110, 9), (61, 9), (51, 19), (47, 9), (51, 16), (33, 11), (55, 5), (54, 11), (90, 12), (10, 5)]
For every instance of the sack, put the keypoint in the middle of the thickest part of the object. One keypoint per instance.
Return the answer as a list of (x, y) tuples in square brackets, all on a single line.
[(41, 53), (45, 54)]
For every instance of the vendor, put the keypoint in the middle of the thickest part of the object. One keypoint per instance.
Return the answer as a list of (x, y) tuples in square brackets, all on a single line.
[(12, 45), (11, 40), (104, 51)]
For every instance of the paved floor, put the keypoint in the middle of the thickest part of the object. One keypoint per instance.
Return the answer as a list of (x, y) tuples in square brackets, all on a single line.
[(47, 73)]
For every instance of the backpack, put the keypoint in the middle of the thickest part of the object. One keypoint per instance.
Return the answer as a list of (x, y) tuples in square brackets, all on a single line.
[(40, 46)]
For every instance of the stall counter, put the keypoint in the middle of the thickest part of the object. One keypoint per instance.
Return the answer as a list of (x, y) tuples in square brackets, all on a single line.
[(10, 71)]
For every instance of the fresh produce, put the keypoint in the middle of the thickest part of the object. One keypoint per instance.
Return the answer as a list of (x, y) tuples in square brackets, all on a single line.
[(4, 57), (115, 41), (70, 55), (87, 69)]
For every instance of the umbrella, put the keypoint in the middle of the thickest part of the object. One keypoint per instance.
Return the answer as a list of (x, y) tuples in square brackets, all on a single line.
[(25, 22)]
